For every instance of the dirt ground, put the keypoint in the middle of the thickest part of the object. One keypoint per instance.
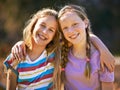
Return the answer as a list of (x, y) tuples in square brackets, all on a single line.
[(116, 83)]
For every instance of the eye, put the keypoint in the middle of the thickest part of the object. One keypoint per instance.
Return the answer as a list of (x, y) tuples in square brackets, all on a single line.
[(75, 24), (65, 28), (42, 25), (51, 30)]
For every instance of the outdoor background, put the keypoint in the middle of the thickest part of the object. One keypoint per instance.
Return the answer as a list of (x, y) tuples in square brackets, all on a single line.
[(103, 14)]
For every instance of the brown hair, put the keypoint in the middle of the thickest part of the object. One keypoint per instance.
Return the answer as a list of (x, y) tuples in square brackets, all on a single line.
[(53, 46), (80, 11)]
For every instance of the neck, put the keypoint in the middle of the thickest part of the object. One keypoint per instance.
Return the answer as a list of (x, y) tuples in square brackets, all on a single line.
[(35, 52), (79, 50)]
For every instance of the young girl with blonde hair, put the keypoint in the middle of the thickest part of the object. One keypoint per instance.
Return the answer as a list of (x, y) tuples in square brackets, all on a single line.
[(39, 70)]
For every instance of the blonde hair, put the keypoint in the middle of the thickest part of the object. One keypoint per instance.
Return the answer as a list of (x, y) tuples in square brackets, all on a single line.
[(80, 11), (53, 46)]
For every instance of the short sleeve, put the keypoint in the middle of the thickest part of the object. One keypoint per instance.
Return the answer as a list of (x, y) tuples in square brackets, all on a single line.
[(10, 63), (106, 76)]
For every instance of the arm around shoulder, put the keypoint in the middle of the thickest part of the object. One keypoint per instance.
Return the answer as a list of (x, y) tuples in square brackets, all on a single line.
[(105, 55)]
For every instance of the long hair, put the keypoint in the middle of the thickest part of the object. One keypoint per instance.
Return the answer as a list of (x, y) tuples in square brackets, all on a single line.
[(53, 46), (80, 11)]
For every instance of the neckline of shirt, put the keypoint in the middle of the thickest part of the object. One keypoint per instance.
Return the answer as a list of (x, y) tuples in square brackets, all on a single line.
[(43, 55)]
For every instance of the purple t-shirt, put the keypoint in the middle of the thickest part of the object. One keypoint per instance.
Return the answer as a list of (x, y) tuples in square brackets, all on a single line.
[(76, 80)]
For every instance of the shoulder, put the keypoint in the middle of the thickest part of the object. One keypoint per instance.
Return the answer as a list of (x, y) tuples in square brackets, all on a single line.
[(95, 57), (52, 54), (94, 51), (10, 60)]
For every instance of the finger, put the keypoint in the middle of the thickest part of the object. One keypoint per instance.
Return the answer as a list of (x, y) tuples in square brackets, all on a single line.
[(102, 65), (109, 67), (21, 54), (16, 52), (15, 57), (113, 64), (12, 57), (113, 67), (13, 51)]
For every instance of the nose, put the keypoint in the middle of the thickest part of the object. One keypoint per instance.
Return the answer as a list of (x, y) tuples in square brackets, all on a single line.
[(70, 29), (45, 30)]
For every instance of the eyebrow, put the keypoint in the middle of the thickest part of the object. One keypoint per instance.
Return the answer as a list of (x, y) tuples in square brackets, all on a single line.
[(50, 27), (43, 23), (53, 28)]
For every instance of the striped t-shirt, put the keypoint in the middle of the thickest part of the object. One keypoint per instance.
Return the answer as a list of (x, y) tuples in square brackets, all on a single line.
[(34, 75)]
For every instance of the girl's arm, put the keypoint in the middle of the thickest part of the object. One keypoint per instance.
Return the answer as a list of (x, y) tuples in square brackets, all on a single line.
[(19, 50), (11, 80), (106, 57), (10, 65), (107, 86)]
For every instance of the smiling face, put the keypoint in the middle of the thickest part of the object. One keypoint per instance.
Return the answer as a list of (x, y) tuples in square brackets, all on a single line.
[(44, 30), (73, 27)]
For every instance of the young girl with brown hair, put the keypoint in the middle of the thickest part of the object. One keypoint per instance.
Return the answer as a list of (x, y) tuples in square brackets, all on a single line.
[(80, 58)]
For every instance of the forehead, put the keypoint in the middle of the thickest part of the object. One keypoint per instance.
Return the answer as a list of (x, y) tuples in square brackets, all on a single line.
[(48, 20), (67, 16)]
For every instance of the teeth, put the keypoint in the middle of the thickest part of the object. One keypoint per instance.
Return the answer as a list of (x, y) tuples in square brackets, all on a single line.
[(74, 36), (42, 37)]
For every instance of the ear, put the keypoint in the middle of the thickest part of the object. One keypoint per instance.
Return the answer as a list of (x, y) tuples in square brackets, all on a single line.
[(86, 23)]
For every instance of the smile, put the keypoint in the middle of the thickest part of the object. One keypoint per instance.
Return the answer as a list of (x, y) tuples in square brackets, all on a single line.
[(74, 36), (42, 37)]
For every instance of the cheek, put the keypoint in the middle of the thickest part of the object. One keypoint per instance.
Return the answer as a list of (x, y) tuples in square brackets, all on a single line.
[(81, 29), (52, 35), (64, 33), (33, 37), (34, 34), (35, 30), (36, 27)]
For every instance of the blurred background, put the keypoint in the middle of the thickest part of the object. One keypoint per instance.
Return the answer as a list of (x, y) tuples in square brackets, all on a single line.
[(103, 14)]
